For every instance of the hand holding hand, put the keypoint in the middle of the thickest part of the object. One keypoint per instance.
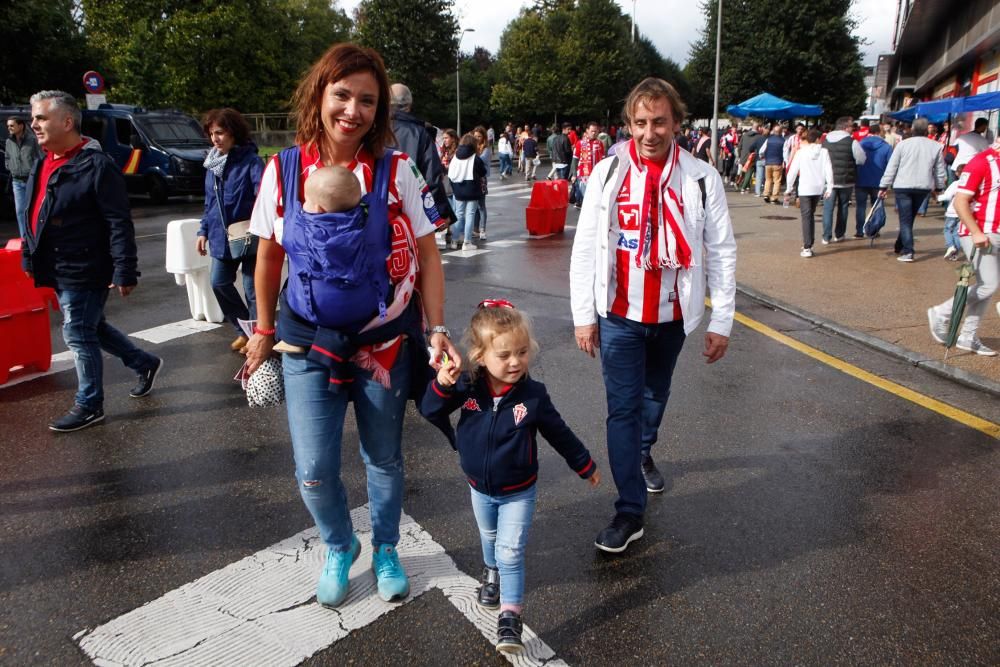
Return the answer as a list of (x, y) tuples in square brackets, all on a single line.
[(442, 348), (448, 374)]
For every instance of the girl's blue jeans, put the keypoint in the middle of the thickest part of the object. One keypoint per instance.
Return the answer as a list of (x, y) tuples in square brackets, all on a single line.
[(316, 421), (951, 233), (466, 218), (503, 523)]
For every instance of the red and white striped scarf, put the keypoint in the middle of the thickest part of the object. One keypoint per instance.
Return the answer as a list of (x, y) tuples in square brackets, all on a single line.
[(661, 241)]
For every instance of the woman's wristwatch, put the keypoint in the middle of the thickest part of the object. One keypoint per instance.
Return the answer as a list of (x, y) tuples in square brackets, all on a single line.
[(441, 329)]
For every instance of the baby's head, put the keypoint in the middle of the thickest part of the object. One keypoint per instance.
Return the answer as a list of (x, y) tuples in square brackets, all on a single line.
[(331, 190), (500, 339)]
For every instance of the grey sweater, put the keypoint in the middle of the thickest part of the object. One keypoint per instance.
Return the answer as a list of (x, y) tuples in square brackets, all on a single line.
[(916, 164)]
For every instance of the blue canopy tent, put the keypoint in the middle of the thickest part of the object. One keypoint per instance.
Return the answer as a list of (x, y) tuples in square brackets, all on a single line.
[(767, 105), (938, 110)]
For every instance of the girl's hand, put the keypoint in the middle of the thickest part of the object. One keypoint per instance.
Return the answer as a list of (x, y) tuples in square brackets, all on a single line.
[(594, 479), (258, 349), (442, 346), (448, 374)]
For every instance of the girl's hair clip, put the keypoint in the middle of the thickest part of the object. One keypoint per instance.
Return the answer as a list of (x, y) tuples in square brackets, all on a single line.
[(496, 303)]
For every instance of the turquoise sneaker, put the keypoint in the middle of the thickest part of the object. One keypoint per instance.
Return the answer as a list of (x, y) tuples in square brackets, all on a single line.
[(334, 582), (392, 581)]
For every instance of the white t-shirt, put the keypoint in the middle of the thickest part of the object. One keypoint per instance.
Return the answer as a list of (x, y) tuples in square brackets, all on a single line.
[(408, 193), (969, 145)]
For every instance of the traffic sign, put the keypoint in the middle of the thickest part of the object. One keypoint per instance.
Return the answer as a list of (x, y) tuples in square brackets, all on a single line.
[(93, 82)]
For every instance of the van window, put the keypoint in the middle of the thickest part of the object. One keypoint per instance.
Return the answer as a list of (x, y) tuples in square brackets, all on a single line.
[(93, 127), (123, 127), (173, 130)]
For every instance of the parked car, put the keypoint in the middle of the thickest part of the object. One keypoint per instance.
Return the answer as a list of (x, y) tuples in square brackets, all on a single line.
[(160, 152)]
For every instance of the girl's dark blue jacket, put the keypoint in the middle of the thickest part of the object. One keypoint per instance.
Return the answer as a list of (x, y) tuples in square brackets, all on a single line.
[(498, 448), (239, 185)]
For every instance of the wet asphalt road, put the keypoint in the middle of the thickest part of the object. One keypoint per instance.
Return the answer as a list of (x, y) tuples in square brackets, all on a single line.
[(810, 518)]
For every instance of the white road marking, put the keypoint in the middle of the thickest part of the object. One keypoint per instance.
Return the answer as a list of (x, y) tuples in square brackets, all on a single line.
[(529, 237), (261, 610), (507, 243), (467, 253), (63, 361), (165, 332)]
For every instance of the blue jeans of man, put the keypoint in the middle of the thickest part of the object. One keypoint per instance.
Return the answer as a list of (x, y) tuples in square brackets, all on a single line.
[(466, 219), (86, 333), (907, 202), (760, 172), (862, 195), (224, 287), (506, 165), (504, 522), (840, 203), (316, 422), (638, 363), (21, 204)]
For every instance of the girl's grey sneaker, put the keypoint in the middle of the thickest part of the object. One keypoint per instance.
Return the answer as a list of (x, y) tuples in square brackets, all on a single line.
[(489, 589), (973, 344), (509, 632)]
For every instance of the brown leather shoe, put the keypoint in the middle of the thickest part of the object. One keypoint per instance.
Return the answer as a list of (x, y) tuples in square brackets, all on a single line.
[(238, 344)]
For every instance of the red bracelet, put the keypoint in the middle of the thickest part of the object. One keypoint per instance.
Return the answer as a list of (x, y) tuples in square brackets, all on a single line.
[(264, 332)]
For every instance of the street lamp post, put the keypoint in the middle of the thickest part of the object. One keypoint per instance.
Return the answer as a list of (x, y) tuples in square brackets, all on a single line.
[(715, 101), (458, 87), (633, 21)]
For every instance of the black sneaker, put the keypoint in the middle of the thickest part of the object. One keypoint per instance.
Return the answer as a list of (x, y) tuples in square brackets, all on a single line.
[(509, 632), (489, 591), (654, 480), (859, 235), (146, 381), (624, 529), (76, 419)]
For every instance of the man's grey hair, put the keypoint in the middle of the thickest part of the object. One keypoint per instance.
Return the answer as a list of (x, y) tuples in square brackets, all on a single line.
[(843, 123), (61, 100), (919, 127), (400, 97)]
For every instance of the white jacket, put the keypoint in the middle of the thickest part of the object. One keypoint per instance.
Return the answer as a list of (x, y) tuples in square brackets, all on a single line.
[(814, 170), (708, 231)]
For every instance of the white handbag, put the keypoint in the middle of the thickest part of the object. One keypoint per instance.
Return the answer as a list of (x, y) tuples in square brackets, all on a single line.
[(266, 387)]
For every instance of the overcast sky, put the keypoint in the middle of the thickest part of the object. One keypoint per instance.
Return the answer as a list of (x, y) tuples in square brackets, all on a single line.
[(671, 24)]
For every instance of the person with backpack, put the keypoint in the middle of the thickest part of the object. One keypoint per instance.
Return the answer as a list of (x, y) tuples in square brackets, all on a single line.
[(653, 232), (352, 329), (467, 174)]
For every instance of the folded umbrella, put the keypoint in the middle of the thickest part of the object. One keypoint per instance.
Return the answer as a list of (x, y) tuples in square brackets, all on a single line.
[(874, 223), (965, 272)]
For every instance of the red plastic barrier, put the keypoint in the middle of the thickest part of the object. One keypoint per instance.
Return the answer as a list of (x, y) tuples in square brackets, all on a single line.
[(24, 317), (546, 212)]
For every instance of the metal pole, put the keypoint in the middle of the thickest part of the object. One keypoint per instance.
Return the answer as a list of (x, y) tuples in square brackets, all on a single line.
[(715, 103), (633, 21), (458, 102)]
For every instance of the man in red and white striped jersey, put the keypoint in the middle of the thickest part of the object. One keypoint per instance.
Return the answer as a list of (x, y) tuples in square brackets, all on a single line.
[(587, 152), (978, 206), (654, 230)]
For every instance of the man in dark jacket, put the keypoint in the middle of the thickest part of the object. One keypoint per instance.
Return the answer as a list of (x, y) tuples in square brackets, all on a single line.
[(562, 152), (846, 155), (878, 152), (415, 138), (79, 240)]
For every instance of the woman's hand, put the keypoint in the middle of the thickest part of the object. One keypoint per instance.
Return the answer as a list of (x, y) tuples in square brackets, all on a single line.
[(202, 246), (257, 350), (441, 345)]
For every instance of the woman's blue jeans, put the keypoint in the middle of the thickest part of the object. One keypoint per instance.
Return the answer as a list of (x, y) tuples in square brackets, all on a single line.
[(86, 333), (223, 285), (466, 218), (638, 363), (504, 522), (316, 421)]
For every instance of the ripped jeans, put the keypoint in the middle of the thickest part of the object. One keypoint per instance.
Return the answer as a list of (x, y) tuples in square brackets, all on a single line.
[(316, 421), (504, 522)]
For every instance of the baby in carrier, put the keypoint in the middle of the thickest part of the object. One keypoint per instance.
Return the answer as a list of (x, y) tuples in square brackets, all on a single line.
[(331, 190)]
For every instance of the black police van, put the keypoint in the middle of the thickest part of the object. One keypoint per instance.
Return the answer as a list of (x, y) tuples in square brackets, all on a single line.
[(159, 152)]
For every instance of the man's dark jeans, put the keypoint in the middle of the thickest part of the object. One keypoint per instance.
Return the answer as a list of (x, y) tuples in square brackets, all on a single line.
[(86, 333), (807, 207), (840, 201), (638, 363), (907, 203)]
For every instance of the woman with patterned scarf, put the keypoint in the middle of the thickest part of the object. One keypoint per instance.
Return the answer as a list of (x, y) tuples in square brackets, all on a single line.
[(232, 179)]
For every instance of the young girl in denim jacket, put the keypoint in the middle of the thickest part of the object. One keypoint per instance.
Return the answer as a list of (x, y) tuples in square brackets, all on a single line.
[(502, 409)]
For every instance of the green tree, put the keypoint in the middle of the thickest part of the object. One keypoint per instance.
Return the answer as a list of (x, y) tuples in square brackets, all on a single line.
[(198, 55), (478, 76), (44, 48), (417, 40), (805, 52)]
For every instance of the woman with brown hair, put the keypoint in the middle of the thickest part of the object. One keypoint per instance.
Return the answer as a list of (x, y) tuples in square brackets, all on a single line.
[(342, 107), (232, 179)]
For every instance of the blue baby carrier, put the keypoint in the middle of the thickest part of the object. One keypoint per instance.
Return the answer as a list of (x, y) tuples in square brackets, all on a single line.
[(337, 277)]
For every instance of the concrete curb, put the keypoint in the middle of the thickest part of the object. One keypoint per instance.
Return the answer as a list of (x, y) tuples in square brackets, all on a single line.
[(971, 380)]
